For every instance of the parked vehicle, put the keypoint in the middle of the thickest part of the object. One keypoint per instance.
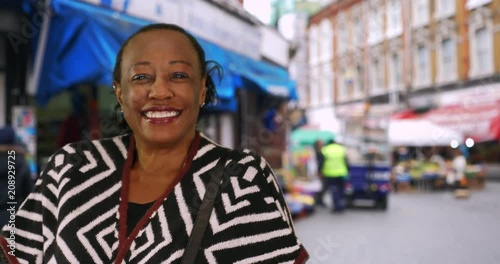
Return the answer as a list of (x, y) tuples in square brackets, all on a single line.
[(369, 182)]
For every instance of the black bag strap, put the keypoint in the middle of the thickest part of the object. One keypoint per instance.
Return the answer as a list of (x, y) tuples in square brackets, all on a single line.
[(201, 222)]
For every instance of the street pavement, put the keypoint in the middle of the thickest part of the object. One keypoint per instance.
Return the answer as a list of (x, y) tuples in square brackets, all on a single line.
[(423, 228)]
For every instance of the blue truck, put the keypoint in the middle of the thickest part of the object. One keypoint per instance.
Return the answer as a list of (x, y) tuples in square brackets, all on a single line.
[(369, 182)]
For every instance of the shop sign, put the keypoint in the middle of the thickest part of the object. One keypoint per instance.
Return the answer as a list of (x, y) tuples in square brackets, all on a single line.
[(478, 95), (472, 121), (164, 11), (220, 27)]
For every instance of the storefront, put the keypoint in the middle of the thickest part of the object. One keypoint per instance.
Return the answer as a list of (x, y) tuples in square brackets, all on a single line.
[(475, 113), (78, 42), (471, 114)]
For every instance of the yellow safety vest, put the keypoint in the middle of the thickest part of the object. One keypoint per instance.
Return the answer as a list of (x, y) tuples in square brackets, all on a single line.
[(334, 165)]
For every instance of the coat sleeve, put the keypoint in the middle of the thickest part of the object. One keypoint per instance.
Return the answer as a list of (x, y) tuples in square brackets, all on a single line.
[(251, 222), (273, 195), (31, 227)]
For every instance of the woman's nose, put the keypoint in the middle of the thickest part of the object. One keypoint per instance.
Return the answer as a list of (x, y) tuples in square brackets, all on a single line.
[(160, 90)]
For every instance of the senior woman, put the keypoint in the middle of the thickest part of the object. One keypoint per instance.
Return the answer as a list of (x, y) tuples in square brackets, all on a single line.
[(139, 197)]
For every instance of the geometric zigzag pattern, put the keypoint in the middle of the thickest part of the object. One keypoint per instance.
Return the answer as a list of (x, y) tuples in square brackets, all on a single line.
[(73, 214)]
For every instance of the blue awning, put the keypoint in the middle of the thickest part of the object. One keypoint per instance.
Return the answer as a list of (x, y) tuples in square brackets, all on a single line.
[(83, 40), (269, 78)]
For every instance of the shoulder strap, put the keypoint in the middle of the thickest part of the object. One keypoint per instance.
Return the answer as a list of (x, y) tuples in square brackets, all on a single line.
[(201, 222), (5, 257)]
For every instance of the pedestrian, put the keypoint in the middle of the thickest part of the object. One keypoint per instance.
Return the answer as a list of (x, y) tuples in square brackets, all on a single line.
[(142, 196), (320, 160), (15, 175), (456, 176), (335, 171)]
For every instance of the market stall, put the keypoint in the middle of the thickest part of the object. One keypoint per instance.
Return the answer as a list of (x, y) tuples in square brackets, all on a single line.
[(425, 168), (418, 132)]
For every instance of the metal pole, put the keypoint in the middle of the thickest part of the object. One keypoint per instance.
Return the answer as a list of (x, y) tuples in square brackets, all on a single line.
[(40, 52)]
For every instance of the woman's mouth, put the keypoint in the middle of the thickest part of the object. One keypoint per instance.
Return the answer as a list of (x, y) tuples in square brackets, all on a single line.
[(161, 116)]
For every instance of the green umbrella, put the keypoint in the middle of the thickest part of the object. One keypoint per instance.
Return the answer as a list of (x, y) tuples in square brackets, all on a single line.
[(303, 137)]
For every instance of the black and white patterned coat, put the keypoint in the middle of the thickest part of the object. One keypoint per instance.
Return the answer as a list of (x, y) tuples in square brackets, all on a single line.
[(77, 210)]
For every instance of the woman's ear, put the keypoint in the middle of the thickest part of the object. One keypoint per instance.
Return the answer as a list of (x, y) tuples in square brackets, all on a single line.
[(203, 91), (118, 92)]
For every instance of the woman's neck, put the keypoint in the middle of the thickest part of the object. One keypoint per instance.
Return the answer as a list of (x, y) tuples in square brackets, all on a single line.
[(161, 160)]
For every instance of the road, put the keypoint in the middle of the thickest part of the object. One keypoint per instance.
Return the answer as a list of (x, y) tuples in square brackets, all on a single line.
[(417, 228)]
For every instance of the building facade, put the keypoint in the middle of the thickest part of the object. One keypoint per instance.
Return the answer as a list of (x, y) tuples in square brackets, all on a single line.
[(387, 56)]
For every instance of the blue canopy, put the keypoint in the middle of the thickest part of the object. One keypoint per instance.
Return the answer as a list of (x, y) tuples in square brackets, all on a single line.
[(83, 41)]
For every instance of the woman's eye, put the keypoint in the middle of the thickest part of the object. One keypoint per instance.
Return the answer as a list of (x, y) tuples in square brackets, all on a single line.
[(139, 77), (179, 75)]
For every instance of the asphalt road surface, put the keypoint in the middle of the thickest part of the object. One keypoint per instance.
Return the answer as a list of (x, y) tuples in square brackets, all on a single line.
[(423, 228)]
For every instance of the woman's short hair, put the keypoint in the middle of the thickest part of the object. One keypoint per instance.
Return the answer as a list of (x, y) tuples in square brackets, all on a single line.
[(206, 67)]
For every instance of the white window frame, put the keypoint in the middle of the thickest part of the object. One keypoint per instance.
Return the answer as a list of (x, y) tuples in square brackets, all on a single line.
[(375, 25), (393, 84), (375, 22), (480, 18), (446, 75), (421, 79), (394, 7), (420, 19), (441, 12), (472, 4), (326, 40)]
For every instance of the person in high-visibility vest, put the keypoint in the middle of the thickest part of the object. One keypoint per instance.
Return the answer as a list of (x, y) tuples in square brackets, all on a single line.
[(320, 159), (335, 172)]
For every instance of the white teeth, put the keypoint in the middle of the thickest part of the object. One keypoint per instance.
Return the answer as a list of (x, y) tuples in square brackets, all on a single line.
[(161, 114)]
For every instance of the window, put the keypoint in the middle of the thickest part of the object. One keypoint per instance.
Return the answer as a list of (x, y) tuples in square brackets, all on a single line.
[(326, 42), (394, 23), (375, 25), (342, 35), (358, 31), (314, 85), (313, 45), (481, 34), (420, 9), (327, 83), (445, 8), (446, 60), (482, 50), (395, 71), (358, 86), (471, 4), (377, 75), (422, 76)]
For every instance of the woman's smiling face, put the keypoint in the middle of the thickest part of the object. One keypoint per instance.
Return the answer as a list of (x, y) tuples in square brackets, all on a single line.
[(161, 87)]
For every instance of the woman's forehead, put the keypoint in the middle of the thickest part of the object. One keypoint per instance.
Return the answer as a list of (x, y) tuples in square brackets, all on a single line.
[(160, 42)]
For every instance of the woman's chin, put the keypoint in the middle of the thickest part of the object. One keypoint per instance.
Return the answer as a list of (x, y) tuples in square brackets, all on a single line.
[(164, 138)]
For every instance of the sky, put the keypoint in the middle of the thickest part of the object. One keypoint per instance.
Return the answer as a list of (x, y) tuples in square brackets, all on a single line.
[(259, 8), (262, 9)]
